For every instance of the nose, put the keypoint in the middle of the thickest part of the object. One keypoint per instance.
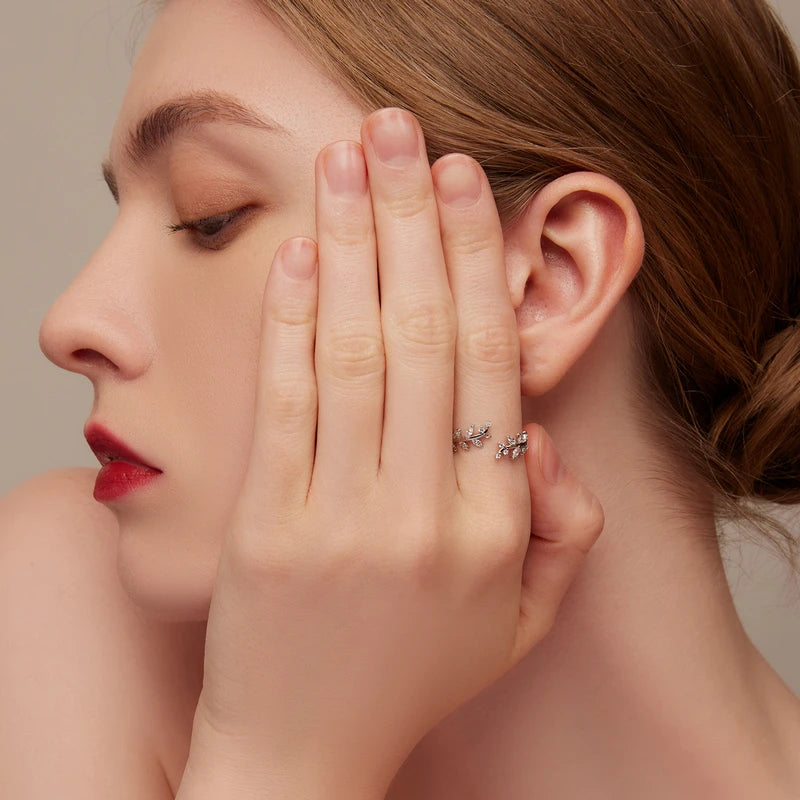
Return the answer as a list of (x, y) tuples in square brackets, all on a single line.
[(96, 326)]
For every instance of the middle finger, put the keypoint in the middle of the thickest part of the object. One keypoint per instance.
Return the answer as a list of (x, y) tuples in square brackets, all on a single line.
[(417, 309)]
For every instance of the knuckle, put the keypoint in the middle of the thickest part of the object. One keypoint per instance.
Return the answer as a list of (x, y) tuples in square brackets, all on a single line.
[(418, 554), (492, 343), (351, 234), (408, 203), (427, 323), (349, 354), (514, 544), (251, 553), (341, 556), (423, 561), (466, 243), (504, 548), (292, 400), (293, 316)]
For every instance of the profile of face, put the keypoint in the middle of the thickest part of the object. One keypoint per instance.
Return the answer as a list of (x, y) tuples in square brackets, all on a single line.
[(166, 324)]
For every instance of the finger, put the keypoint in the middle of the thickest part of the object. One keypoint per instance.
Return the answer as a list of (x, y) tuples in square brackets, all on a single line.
[(566, 520), (282, 452), (487, 373), (417, 309), (350, 363)]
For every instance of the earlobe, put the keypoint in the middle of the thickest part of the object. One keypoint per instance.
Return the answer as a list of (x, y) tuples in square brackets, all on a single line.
[(570, 258)]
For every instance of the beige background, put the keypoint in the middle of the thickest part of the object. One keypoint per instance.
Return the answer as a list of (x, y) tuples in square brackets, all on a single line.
[(63, 69)]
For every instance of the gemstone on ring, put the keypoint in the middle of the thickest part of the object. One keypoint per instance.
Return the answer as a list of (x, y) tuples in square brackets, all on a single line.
[(515, 446), (471, 437)]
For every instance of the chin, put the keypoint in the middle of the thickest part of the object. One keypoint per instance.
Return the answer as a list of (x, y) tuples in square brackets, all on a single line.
[(168, 577)]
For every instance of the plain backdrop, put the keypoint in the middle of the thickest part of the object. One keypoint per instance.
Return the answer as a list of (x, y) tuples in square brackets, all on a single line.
[(63, 70)]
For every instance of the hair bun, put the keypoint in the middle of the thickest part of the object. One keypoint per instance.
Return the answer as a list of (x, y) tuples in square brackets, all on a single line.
[(760, 429)]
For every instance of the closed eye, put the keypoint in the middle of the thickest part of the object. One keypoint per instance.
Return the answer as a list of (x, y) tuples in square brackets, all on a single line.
[(213, 233)]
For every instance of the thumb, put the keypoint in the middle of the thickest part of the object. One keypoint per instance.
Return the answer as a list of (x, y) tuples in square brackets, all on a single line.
[(566, 520)]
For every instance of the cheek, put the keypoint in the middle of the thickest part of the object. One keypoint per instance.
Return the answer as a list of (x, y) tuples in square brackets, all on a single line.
[(209, 323), (206, 370), (221, 349)]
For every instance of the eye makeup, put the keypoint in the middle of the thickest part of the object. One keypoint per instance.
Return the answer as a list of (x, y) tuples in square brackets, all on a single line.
[(215, 232)]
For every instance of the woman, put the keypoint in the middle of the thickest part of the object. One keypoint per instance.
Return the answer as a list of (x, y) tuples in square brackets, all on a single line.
[(344, 654)]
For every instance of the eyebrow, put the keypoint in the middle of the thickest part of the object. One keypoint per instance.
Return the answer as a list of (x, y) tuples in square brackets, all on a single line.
[(159, 126)]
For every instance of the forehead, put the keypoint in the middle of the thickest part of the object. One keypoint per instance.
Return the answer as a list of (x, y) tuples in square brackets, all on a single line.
[(235, 48)]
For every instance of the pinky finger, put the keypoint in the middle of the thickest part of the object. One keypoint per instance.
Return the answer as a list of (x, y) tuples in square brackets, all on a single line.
[(282, 453), (566, 520)]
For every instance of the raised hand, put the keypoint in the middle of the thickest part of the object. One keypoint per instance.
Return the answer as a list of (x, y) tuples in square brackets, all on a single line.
[(374, 576)]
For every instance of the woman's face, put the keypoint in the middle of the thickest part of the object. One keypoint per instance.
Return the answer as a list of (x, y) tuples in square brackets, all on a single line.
[(167, 327)]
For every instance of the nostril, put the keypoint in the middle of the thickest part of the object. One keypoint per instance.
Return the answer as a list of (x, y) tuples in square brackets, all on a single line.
[(91, 357)]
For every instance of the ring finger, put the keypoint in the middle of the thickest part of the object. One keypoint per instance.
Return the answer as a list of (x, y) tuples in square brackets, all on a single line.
[(487, 372)]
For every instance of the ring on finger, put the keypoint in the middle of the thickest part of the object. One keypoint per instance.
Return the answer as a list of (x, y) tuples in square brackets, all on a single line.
[(476, 435)]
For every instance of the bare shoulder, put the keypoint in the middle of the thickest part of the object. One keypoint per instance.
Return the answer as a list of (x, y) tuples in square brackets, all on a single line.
[(93, 695)]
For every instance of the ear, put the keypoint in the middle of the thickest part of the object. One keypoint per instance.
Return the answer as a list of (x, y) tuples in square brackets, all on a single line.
[(570, 258)]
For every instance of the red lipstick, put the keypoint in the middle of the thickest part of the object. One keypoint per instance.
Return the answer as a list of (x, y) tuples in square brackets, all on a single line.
[(122, 469)]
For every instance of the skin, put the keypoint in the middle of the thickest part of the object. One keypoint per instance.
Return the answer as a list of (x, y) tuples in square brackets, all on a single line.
[(647, 686)]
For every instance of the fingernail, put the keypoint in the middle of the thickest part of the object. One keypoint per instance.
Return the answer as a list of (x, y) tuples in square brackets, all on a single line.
[(394, 137), (345, 169), (458, 181), (550, 463), (299, 258)]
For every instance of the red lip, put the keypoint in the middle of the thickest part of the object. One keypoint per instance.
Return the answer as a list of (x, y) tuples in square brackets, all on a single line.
[(107, 447), (123, 469)]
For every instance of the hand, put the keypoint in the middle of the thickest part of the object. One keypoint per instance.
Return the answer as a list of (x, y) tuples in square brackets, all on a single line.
[(372, 580)]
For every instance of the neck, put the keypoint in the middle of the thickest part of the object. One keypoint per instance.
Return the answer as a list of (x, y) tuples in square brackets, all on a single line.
[(647, 686)]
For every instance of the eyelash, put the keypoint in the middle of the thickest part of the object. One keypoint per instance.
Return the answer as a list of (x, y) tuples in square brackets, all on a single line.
[(221, 225)]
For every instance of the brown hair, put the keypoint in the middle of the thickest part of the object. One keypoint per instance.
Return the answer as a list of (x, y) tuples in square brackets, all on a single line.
[(693, 106)]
